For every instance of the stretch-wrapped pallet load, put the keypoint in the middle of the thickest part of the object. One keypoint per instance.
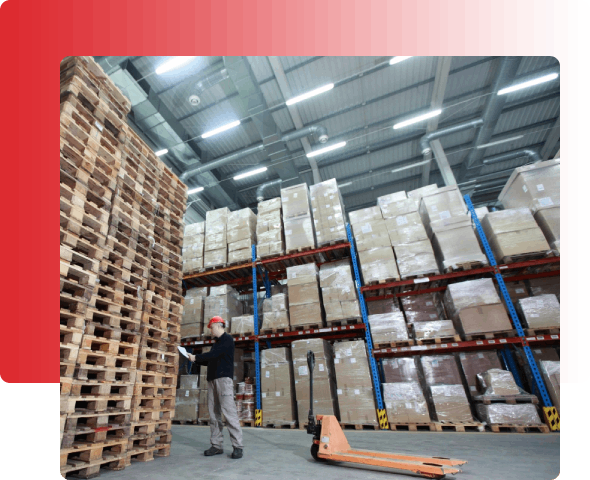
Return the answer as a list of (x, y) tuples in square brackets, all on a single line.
[(388, 328), (422, 308), (498, 382), (513, 232), (536, 187), (545, 286), (435, 329), (477, 363), (324, 384), (449, 227), (550, 370), (216, 238), (277, 387), (187, 399), (222, 302), (420, 192), (241, 235), (408, 236), (243, 325), (338, 292), (505, 414), (328, 213), (299, 232), (540, 312), (304, 295), (475, 307), (193, 316), (356, 399), (269, 229), (193, 248), (373, 245), (516, 291), (275, 313), (387, 305)]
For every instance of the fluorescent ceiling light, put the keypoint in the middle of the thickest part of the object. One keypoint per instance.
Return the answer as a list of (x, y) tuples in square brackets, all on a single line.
[(530, 83), (506, 140), (174, 63), (195, 190), (159, 153), (313, 93), (395, 60), (221, 129), (345, 184), (411, 121), (249, 174), (326, 150), (407, 167)]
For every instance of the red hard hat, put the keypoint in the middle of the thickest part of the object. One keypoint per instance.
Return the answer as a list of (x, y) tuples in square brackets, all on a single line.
[(216, 320)]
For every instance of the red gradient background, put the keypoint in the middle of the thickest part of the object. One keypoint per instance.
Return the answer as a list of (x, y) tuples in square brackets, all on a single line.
[(36, 35)]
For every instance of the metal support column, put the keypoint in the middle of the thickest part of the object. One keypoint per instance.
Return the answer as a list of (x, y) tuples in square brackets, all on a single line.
[(258, 412), (548, 408), (381, 413)]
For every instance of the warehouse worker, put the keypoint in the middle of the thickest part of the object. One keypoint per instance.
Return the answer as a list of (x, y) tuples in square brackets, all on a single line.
[(220, 373)]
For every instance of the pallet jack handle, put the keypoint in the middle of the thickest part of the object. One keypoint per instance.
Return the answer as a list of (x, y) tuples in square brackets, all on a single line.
[(311, 419)]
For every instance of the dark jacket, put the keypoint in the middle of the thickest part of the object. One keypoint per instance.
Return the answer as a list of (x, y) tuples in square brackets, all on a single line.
[(220, 360)]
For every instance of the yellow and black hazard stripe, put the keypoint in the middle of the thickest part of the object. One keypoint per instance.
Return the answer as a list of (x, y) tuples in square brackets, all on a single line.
[(258, 418), (552, 418), (383, 422)]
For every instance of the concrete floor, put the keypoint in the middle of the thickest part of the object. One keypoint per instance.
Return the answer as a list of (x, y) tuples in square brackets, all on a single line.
[(284, 454)]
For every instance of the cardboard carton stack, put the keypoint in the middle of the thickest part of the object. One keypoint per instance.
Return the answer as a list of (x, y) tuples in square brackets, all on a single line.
[(402, 392), (552, 378), (544, 286), (223, 302), (497, 382), (516, 291), (269, 229), (477, 363), (328, 213), (475, 307), (423, 308), (408, 236), (387, 305), (436, 329), (388, 328), (193, 248), (536, 187), (449, 227), (194, 307), (304, 295), (216, 238), (505, 414), (373, 245), (243, 325), (445, 389), (541, 311), (420, 192), (513, 232), (187, 399), (241, 235), (338, 292), (299, 232), (275, 313), (356, 399), (277, 387), (324, 384)]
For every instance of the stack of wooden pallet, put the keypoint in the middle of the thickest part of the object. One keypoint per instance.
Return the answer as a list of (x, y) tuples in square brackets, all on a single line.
[(119, 320)]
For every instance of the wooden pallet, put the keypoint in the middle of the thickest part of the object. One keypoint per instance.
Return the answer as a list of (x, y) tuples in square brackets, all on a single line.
[(527, 256), (412, 427), (510, 428), (80, 469), (438, 340), (530, 332), (466, 266), (84, 435), (297, 328), (459, 427), (509, 399), (299, 250), (343, 322), (105, 373), (247, 423), (382, 281), (243, 334), (401, 343), (274, 331), (490, 335), (420, 275), (94, 404), (290, 426), (73, 458), (359, 426)]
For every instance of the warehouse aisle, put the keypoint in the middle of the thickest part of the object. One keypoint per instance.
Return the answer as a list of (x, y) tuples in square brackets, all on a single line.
[(285, 454)]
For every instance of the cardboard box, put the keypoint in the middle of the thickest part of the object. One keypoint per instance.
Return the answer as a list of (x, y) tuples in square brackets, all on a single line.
[(450, 403), (419, 192), (193, 308), (550, 370), (270, 205), (269, 228), (548, 220), (309, 314), (442, 204), (438, 328), (295, 202), (365, 215), (516, 291), (401, 370), (483, 319), (301, 274), (371, 234), (378, 264), (191, 330), (328, 212), (275, 356), (546, 353), (299, 233), (498, 382), (454, 243), (406, 234), (388, 327), (474, 363), (381, 306), (238, 256), (277, 387), (422, 308), (402, 207), (545, 286), (304, 294), (472, 293), (405, 403), (502, 413), (215, 258), (440, 370), (242, 325), (540, 312), (533, 186), (276, 312), (416, 259)]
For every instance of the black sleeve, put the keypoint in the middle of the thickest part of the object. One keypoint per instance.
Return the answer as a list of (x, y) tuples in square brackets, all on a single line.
[(216, 351)]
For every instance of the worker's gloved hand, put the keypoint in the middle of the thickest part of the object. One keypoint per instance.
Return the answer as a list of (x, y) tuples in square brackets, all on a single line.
[(191, 357)]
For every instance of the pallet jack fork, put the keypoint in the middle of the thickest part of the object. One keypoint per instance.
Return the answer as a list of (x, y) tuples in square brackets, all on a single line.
[(329, 443)]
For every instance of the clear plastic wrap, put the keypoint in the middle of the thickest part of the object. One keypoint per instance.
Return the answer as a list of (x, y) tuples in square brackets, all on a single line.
[(242, 325), (422, 308), (238, 256), (391, 198), (405, 403), (450, 404), (194, 229), (440, 370), (270, 205), (244, 244), (337, 311), (328, 212), (439, 328), (310, 314), (307, 273), (299, 233), (276, 312), (240, 238), (390, 204), (552, 376), (533, 186), (416, 259), (192, 265), (548, 220), (215, 241), (505, 414), (224, 306), (405, 229), (215, 258), (222, 290), (473, 293), (193, 248), (295, 201), (241, 219), (402, 213), (388, 327), (365, 215), (474, 363), (388, 305), (303, 294), (454, 242), (371, 234), (275, 356), (498, 382), (540, 312), (401, 370), (420, 192), (338, 291), (442, 204), (217, 216), (378, 264)]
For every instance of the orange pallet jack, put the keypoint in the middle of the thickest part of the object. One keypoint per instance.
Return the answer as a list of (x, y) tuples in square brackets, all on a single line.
[(329, 443)]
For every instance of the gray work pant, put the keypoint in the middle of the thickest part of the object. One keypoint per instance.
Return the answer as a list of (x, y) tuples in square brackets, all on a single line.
[(220, 398)]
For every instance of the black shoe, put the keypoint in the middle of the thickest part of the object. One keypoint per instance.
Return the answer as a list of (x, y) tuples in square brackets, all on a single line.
[(213, 451), (237, 453)]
